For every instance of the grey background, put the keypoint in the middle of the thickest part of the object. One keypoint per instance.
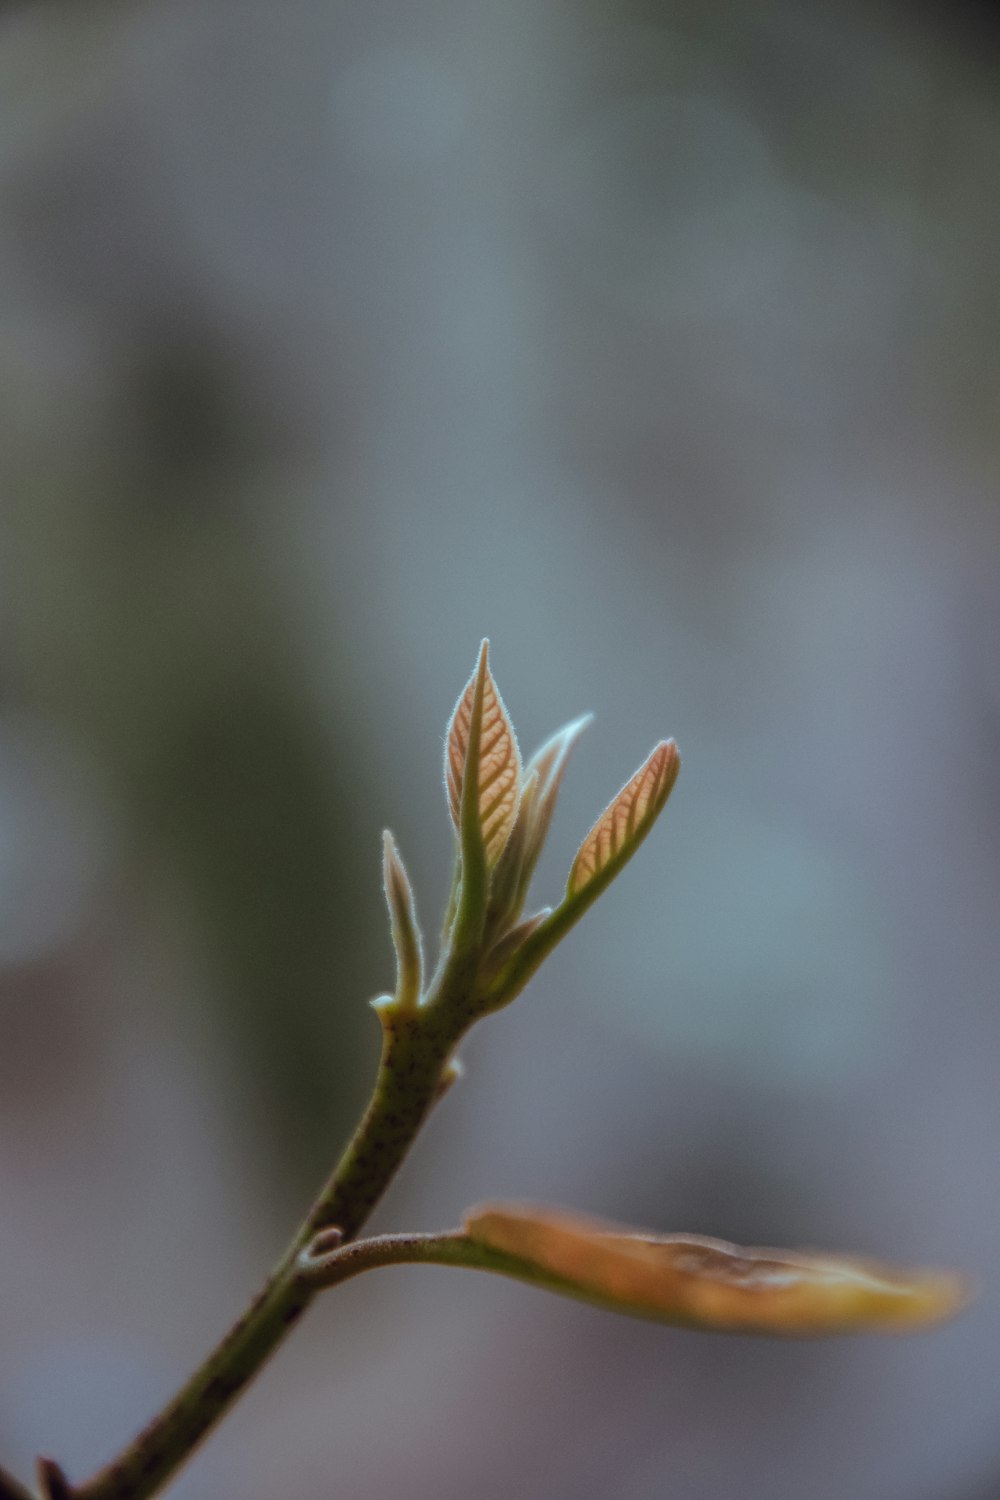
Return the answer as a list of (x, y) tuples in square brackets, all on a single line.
[(659, 343)]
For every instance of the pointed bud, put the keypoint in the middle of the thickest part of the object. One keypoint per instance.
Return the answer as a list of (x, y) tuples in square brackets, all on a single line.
[(625, 822), (405, 932), (706, 1283), (539, 789), (481, 745), (608, 847)]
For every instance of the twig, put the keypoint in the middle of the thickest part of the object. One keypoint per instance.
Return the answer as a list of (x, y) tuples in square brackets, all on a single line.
[(415, 1054)]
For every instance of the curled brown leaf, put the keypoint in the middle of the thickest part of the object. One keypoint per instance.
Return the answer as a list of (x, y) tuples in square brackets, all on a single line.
[(707, 1283)]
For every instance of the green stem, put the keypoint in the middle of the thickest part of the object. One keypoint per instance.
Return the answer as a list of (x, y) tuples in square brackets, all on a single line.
[(415, 1053)]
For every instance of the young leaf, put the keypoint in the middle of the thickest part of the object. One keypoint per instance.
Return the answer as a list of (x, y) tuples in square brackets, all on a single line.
[(549, 764), (405, 932), (497, 764), (539, 790), (625, 822), (706, 1283), (608, 846)]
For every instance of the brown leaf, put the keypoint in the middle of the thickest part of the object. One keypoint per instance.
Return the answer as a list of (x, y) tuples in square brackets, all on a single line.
[(707, 1283), (627, 818), (499, 760)]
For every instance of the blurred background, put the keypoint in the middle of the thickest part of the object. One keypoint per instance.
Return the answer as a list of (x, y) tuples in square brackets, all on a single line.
[(659, 342)]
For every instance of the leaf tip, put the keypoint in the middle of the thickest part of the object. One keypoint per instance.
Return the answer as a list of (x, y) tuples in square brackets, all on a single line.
[(666, 757), (397, 885)]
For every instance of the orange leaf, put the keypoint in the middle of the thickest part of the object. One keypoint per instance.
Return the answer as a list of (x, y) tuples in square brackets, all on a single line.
[(499, 760), (627, 819)]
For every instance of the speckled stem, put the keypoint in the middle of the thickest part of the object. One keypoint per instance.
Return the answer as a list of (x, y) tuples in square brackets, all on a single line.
[(416, 1050), (415, 1054)]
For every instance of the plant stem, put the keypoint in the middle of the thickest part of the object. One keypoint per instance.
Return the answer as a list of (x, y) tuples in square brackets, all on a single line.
[(416, 1050), (452, 1247)]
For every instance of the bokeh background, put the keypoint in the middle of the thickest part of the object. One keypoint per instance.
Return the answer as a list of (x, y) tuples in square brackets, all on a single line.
[(658, 341)]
